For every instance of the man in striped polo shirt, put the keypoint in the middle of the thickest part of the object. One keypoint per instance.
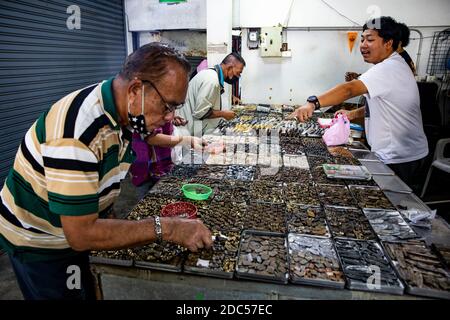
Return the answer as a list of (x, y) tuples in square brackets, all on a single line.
[(67, 174)]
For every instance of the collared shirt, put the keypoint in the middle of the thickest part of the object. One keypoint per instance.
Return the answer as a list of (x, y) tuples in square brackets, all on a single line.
[(220, 72), (70, 162), (202, 98)]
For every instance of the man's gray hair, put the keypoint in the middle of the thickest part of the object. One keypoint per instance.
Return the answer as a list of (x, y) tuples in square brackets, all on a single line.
[(232, 57), (151, 62)]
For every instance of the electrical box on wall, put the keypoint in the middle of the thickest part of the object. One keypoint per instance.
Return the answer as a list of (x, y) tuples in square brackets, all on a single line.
[(253, 39), (271, 41)]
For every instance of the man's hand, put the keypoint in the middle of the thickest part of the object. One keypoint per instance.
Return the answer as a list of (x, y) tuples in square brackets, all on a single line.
[(235, 100), (216, 147), (228, 114), (179, 121), (198, 143), (349, 76), (352, 114), (348, 113), (303, 113), (193, 142), (189, 233)]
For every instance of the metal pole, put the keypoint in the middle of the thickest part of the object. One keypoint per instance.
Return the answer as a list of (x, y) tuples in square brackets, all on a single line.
[(419, 50)]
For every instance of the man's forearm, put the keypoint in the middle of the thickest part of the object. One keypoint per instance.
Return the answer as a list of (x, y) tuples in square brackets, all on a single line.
[(91, 233), (106, 234), (103, 235), (217, 114), (168, 141), (357, 113), (164, 140), (342, 92)]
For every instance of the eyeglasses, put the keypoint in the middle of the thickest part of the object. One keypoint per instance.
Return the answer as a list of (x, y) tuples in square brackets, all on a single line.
[(168, 107)]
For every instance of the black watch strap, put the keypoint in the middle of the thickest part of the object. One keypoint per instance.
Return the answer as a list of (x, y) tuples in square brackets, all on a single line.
[(314, 100)]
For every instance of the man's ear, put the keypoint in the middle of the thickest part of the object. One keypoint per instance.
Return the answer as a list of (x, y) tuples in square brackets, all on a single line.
[(134, 89), (229, 69), (389, 44)]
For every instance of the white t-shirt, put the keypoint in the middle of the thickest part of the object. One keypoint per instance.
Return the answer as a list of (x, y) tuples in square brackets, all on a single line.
[(394, 128)]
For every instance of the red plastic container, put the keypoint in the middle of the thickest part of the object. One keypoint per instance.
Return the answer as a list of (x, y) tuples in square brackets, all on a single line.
[(180, 209)]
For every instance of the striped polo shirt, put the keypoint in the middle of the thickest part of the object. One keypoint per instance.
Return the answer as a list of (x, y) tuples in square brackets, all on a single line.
[(70, 162)]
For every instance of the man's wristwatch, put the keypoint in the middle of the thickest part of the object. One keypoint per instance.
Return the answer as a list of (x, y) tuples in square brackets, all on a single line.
[(315, 101), (158, 229)]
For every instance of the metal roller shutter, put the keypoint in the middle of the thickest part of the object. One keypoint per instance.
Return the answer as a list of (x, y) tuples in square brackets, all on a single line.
[(41, 60), (194, 61)]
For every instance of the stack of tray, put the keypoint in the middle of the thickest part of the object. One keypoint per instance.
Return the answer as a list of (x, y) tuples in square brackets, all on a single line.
[(364, 154), (391, 183), (377, 167)]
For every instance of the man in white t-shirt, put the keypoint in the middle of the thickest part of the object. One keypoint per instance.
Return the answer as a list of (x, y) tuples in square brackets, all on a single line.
[(203, 107), (394, 127)]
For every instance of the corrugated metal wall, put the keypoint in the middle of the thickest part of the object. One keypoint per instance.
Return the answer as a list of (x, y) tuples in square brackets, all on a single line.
[(194, 61), (41, 60)]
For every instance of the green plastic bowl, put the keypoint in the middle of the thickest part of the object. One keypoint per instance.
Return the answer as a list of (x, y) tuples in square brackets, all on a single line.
[(196, 191)]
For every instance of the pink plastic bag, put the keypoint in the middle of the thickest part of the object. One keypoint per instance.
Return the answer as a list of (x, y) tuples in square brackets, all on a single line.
[(338, 132)]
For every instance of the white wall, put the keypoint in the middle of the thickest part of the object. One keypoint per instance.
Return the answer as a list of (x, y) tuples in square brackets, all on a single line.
[(315, 13), (236, 14), (321, 58), (219, 16), (319, 61)]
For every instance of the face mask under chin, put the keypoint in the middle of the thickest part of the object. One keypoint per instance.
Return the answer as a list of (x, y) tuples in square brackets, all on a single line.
[(232, 80), (137, 123)]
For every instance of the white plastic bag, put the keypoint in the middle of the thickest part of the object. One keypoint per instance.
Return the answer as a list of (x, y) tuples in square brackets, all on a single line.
[(338, 132), (177, 151)]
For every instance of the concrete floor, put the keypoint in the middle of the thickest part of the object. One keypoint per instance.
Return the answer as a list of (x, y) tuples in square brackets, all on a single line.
[(438, 190), (9, 289)]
